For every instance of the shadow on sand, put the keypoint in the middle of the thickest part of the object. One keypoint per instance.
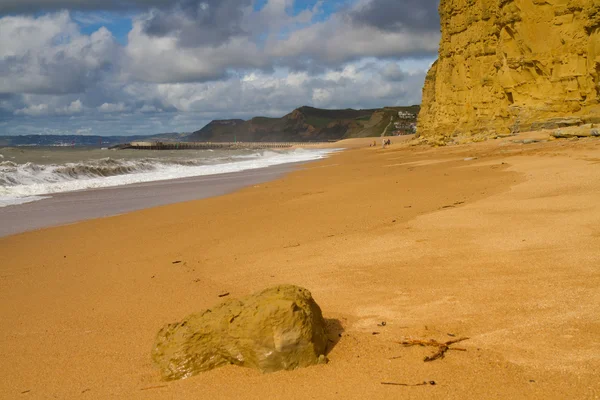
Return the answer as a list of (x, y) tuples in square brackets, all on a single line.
[(334, 333)]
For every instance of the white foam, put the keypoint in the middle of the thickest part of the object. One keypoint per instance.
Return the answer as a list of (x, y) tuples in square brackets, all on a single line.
[(4, 202), (29, 182)]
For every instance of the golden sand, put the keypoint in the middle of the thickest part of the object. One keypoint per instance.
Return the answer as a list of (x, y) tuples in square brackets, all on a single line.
[(497, 241)]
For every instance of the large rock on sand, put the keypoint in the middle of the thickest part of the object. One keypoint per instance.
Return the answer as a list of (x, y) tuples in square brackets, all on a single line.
[(280, 328)]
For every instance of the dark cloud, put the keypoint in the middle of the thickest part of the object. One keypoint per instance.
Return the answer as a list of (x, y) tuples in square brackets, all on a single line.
[(33, 6), (199, 22), (395, 15), (62, 74)]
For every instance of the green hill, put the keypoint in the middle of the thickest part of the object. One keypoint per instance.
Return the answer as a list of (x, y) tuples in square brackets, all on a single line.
[(305, 124)]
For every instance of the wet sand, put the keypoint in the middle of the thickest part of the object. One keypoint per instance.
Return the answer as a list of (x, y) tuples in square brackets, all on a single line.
[(495, 241)]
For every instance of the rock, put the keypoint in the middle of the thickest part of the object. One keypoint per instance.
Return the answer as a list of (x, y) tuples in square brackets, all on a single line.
[(575, 132), (526, 141), (512, 66), (554, 123), (280, 328)]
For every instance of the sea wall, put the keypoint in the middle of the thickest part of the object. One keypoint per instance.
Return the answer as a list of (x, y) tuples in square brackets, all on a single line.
[(513, 65)]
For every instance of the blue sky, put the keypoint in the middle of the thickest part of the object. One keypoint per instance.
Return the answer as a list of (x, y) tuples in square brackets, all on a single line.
[(118, 25), (150, 66)]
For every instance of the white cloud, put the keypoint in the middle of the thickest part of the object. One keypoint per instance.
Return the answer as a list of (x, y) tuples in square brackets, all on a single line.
[(271, 38), (359, 84), (337, 41), (112, 108), (76, 107), (149, 109), (20, 35), (37, 106), (34, 110), (162, 60), (48, 55)]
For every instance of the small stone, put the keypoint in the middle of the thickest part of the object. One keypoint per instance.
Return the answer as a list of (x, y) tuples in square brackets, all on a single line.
[(530, 141)]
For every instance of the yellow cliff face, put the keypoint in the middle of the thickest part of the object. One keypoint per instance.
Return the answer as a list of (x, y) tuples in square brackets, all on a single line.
[(513, 65)]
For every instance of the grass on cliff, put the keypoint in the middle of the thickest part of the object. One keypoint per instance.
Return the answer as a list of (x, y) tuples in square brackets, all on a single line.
[(319, 122)]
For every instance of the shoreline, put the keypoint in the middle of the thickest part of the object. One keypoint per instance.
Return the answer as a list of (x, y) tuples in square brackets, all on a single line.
[(61, 208), (58, 209), (493, 241)]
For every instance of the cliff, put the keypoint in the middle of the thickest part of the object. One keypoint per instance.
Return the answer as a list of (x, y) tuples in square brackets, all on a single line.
[(513, 65), (305, 124)]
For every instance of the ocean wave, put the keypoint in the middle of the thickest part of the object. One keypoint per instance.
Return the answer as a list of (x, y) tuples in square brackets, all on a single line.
[(26, 182)]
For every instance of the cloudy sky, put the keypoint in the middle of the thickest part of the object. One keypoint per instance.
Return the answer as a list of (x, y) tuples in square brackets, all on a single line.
[(121, 67)]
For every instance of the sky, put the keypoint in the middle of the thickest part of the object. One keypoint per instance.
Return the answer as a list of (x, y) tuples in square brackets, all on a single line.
[(130, 67)]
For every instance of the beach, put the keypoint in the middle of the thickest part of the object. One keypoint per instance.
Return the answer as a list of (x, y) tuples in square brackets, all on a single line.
[(494, 241)]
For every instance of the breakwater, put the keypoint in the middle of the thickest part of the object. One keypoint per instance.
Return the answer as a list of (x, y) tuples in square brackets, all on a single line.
[(214, 145)]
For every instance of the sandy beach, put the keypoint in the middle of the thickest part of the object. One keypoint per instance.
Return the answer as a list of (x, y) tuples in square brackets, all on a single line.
[(495, 241)]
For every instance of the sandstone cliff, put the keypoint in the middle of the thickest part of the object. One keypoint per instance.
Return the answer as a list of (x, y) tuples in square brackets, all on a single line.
[(513, 65)]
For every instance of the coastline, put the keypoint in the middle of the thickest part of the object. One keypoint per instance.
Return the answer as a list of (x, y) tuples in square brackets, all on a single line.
[(72, 207), (494, 241), (66, 207)]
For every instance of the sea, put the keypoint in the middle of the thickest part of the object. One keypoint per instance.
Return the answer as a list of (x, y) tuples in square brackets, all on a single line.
[(29, 174)]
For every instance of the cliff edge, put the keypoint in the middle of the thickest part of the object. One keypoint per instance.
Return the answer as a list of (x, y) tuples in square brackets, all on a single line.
[(508, 66)]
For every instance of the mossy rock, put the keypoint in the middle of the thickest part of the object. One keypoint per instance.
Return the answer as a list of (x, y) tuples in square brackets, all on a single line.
[(280, 328)]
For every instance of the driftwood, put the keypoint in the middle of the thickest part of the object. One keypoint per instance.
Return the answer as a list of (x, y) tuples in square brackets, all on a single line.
[(154, 387), (442, 348), (432, 383)]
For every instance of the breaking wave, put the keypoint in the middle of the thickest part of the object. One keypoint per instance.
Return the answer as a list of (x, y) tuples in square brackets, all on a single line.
[(21, 183)]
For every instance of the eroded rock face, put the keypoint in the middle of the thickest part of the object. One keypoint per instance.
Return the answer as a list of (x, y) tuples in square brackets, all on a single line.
[(513, 65), (280, 328)]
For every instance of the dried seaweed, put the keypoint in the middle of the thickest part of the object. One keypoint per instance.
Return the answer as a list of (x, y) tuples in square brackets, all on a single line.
[(442, 348)]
